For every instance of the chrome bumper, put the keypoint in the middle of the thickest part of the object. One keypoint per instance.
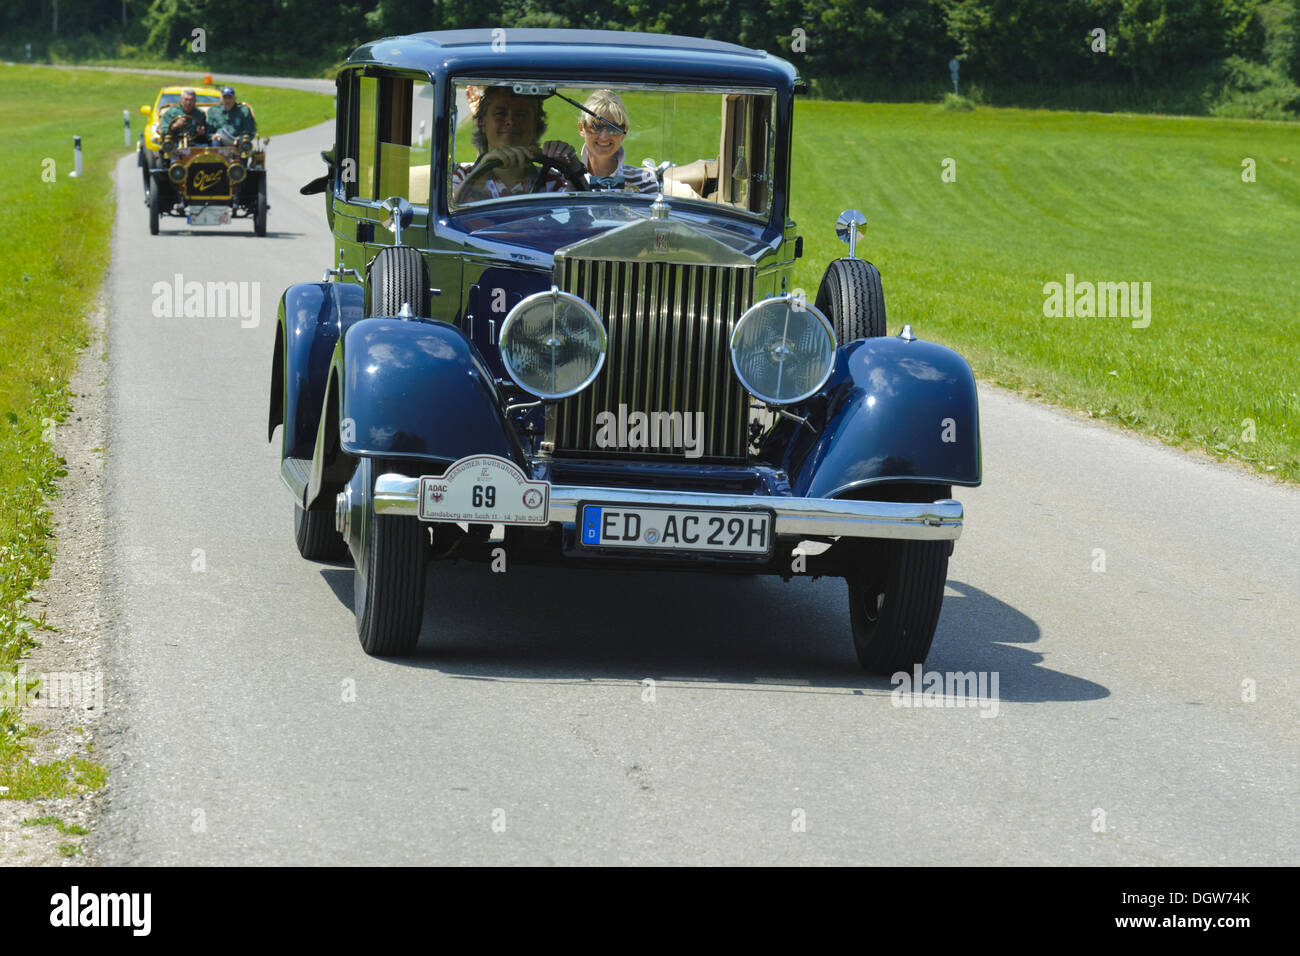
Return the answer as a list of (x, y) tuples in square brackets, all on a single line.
[(806, 517)]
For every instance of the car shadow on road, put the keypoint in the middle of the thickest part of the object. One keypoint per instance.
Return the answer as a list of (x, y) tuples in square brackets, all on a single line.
[(550, 624)]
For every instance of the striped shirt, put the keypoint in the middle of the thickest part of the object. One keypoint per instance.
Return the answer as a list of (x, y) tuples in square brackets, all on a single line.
[(489, 186), (635, 179)]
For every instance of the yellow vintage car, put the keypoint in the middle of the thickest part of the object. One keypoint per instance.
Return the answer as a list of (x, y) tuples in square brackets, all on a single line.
[(146, 150), (204, 184)]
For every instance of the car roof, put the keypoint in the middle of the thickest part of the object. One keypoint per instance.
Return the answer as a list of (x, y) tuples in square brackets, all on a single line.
[(198, 90), (602, 54)]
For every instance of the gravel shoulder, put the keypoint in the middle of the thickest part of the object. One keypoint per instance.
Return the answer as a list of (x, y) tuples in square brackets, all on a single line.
[(68, 706)]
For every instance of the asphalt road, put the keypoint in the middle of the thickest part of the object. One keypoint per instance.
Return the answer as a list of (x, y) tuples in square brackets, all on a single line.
[(244, 724)]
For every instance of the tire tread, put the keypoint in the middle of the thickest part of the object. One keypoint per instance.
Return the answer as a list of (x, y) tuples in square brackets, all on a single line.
[(398, 274), (313, 532), (852, 297), (389, 625)]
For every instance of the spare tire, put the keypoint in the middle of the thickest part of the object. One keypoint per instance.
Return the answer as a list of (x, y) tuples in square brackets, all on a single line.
[(397, 275), (851, 297)]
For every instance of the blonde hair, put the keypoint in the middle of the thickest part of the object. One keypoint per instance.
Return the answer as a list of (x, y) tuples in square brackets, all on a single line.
[(606, 103)]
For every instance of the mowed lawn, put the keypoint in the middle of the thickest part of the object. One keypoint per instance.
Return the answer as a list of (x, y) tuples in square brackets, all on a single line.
[(57, 231), (1040, 194)]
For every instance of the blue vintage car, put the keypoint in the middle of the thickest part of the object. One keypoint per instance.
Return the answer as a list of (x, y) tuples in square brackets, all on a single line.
[(562, 330)]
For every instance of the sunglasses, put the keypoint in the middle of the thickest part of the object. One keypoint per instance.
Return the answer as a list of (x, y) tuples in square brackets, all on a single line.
[(600, 126)]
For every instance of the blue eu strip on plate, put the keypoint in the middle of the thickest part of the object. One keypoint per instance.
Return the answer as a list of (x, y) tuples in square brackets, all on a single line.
[(591, 525)]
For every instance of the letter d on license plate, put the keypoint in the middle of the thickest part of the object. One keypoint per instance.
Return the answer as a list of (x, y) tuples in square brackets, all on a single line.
[(485, 489)]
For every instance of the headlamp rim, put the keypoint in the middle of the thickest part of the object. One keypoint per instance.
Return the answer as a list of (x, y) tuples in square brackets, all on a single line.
[(555, 295), (805, 306)]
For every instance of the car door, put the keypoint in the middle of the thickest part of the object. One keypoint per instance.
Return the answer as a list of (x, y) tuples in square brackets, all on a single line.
[(386, 147)]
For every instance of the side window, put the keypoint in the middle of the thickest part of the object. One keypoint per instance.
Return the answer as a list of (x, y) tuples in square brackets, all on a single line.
[(746, 152), (394, 128), (762, 152), (345, 136), (367, 131)]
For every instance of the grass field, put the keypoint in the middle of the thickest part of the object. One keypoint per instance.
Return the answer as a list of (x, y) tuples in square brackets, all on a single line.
[(57, 230), (1108, 198)]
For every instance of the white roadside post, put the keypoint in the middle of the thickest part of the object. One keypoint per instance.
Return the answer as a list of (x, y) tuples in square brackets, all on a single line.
[(76, 156), (953, 66), (420, 141), (126, 127)]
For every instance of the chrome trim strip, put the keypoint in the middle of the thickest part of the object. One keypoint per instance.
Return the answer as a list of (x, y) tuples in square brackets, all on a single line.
[(831, 517)]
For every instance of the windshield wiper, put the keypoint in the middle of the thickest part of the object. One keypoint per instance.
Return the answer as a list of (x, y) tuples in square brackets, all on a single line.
[(527, 90)]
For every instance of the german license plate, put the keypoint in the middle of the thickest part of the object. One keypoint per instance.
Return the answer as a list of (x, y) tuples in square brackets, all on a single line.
[(676, 529), (209, 216), (484, 489)]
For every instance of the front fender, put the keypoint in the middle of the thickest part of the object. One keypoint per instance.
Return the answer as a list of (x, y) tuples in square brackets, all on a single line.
[(895, 410), (310, 320), (419, 389)]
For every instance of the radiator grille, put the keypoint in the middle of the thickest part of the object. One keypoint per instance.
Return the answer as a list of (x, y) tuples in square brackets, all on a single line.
[(207, 181), (669, 325)]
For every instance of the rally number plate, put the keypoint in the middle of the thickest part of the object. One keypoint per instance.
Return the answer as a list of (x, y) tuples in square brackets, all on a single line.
[(485, 489), (676, 529)]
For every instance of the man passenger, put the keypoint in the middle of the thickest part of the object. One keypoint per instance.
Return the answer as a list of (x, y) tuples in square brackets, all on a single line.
[(230, 121)]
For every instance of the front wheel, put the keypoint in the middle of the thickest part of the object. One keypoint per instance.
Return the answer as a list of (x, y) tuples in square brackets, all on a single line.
[(894, 601), (155, 206), (388, 585), (896, 590), (259, 214)]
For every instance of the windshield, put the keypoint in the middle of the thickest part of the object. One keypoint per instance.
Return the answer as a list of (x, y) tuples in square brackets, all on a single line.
[(701, 145), (200, 99)]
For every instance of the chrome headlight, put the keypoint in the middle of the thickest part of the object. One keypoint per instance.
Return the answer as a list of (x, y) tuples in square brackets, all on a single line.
[(236, 173), (783, 350), (553, 344), (176, 172)]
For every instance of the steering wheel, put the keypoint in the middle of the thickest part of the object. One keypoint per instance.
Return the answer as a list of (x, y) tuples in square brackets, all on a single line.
[(579, 182)]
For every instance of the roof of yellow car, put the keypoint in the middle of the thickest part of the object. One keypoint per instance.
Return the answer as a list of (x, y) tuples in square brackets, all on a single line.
[(209, 90)]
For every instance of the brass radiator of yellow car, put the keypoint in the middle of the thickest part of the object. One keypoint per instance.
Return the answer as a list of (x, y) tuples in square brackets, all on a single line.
[(669, 327)]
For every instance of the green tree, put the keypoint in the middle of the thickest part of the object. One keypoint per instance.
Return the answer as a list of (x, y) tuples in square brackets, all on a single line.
[(1160, 38)]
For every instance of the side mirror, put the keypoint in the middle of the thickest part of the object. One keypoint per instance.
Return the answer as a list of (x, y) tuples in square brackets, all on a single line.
[(400, 213), (846, 228)]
